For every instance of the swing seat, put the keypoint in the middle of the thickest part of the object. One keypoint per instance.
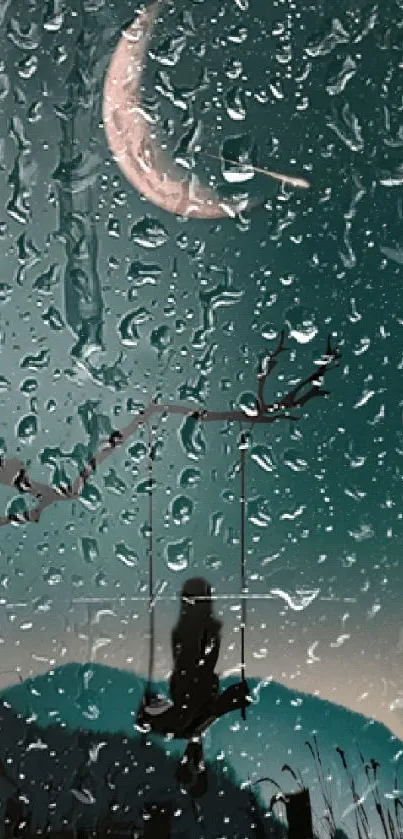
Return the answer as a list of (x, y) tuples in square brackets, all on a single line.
[(167, 721), (158, 705)]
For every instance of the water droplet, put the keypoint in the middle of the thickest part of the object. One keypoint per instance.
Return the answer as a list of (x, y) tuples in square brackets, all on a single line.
[(324, 42), (259, 654), (4, 85), (293, 514), (299, 600), (143, 488), (295, 463), (248, 404), (143, 273), (149, 233), (114, 483), (100, 580), (24, 35), (126, 555), (89, 548), (53, 576), (216, 520), (169, 50), (4, 384), (364, 532), (213, 562), (263, 457), (28, 66), (191, 437), (301, 324), (48, 280), (189, 478), (42, 604), (113, 227), (258, 511), (36, 362), (339, 76), (27, 428), (35, 112), (54, 23), (5, 292), (60, 54), (161, 338), (53, 319), (181, 509), (178, 554), (17, 508), (138, 451), (233, 69), (235, 104), (128, 326), (237, 34), (91, 497)]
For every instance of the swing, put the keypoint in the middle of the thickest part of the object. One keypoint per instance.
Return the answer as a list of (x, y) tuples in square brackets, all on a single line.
[(160, 716)]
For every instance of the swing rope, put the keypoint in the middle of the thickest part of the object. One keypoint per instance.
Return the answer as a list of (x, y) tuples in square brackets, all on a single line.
[(150, 562), (243, 564)]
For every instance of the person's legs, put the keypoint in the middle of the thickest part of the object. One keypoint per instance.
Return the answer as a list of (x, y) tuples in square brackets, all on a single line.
[(200, 785), (193, 761), (188, 762), (197, 752)]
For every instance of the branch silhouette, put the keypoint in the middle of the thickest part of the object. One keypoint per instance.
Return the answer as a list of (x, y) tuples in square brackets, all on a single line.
[(13, 472)]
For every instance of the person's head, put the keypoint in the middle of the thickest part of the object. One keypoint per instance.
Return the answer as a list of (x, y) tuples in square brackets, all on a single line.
[(196, 598)]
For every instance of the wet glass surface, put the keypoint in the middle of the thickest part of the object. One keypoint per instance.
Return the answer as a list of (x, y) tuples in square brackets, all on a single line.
[(201, 211)]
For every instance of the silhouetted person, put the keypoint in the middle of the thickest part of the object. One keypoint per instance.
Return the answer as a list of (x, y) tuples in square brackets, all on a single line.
[(196, 640), (194, 684)]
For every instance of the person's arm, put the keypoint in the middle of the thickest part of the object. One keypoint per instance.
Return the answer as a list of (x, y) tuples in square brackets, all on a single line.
[(186, 651), (210, 651)]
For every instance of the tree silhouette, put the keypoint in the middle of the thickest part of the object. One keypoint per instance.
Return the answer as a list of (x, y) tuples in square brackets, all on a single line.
[(13, 472)]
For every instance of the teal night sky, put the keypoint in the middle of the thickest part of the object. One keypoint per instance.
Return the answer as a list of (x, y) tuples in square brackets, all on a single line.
[(106, 301)]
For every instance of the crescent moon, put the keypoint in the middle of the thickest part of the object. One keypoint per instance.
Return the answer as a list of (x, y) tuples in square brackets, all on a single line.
[(128, 133)]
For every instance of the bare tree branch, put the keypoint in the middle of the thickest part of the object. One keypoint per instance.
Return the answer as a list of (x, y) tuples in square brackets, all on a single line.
[(13, 472)]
